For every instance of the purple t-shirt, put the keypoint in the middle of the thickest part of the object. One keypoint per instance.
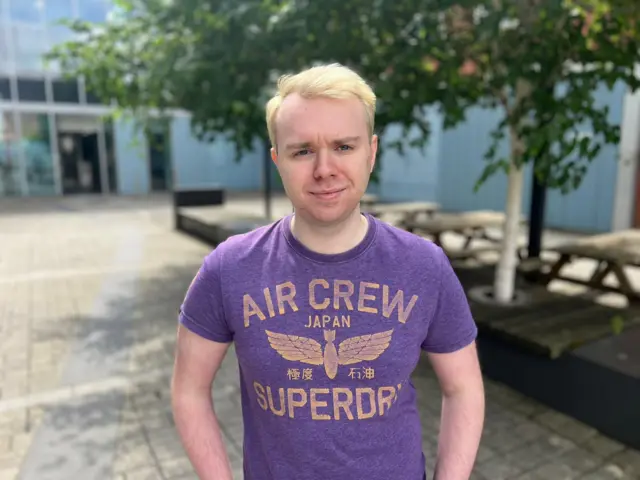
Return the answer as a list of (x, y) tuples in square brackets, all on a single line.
[(326, 345)]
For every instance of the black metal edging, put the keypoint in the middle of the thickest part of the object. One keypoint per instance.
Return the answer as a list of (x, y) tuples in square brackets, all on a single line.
[(198, 230), (592, 393)]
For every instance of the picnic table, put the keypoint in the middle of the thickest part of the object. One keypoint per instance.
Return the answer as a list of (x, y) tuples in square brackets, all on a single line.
[(407, 212), (368, 199), (613, 252), (473, 226)]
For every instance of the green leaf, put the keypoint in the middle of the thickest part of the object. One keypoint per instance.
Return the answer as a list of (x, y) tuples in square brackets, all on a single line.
[(617, 324)]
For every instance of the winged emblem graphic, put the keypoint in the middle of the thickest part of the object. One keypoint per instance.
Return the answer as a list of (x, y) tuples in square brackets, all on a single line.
[(350, 351)]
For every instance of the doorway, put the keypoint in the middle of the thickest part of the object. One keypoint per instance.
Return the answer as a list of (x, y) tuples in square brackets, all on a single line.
[(79, 152), (159, 161)]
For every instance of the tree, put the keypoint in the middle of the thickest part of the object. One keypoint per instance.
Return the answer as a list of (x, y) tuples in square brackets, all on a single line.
[(203, 57), (219, 59), (539, 61)]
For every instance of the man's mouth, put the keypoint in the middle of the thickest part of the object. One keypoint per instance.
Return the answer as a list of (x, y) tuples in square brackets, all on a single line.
[(328, 194)]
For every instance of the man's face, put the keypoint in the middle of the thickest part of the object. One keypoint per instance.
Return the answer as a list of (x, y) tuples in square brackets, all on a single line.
[(324, 155)]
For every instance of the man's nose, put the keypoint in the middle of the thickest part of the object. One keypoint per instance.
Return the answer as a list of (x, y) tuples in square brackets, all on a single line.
[(324, 163)]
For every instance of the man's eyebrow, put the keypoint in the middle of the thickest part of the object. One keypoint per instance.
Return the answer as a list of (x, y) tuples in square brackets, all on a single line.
[(342, 141), (337, 141), (297, 146)]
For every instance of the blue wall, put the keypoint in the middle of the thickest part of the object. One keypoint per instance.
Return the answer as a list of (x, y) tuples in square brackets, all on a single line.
[(131, 156), (445, 170), (197, 163), (414, 175), (589, 208)]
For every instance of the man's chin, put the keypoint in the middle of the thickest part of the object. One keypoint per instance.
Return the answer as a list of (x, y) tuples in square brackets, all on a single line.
[(329, 215)]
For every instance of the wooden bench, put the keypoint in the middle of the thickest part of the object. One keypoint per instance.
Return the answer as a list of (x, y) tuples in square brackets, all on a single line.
[(194, 197), (613, 252), (368, 200), (472, 226), (406, 212)]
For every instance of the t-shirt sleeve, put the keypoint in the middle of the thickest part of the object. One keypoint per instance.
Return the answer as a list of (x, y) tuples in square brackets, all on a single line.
[(202, 310), (452, 326)]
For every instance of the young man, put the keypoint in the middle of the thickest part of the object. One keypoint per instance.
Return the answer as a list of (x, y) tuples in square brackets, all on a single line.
[(329, 310)]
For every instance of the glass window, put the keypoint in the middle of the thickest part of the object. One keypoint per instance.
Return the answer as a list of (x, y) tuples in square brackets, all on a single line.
[(56, 10), (29, 46), (65, 91), (57, 35), (9, 157), (5, 89), (92, 98), (36, 146), (32, 90), (28, 11), (93, 10)]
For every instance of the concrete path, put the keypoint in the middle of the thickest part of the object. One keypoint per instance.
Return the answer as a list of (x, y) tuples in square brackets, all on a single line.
[(89, 290)]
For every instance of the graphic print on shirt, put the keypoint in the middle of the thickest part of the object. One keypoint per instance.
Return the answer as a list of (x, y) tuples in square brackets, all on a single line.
[(351, 351), (340, 356)]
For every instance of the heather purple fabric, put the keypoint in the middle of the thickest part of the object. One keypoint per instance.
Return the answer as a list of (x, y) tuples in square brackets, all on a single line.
[(326, 345)]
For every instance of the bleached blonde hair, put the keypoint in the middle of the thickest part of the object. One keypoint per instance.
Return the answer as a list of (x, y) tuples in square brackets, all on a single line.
[(328, 81)]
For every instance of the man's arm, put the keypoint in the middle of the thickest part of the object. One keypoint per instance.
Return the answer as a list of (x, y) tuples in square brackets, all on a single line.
[(196, 364), (462, 415)]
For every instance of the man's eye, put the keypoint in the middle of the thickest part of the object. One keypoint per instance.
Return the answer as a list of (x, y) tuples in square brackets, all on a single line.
[(344, 148), (301, 152)]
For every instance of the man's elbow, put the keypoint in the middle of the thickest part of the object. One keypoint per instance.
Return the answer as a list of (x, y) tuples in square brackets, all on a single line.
[(471, 386), (185, 396)]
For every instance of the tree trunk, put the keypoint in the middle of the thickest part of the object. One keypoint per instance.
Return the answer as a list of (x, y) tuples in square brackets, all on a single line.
[(536, 215), (504, 283)]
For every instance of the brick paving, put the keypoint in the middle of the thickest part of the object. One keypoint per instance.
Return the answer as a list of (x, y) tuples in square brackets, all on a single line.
[(89, 294)]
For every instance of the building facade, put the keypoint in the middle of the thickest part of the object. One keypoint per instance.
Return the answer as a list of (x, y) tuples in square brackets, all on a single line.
[(53, 140)]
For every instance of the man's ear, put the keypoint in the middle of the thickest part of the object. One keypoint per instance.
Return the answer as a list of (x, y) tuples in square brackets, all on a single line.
[(374, 151), (274, 155)]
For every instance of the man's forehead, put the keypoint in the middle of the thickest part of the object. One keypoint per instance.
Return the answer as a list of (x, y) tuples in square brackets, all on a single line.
[(311, 120)]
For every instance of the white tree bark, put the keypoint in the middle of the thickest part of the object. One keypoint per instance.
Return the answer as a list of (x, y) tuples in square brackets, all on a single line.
[(504, 282)]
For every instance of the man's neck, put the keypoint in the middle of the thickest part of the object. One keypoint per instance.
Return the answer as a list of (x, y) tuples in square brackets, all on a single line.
[(331, 239)]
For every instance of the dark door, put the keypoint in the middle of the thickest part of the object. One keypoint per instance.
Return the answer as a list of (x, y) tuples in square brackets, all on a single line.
[(159, 162), (80, 161)]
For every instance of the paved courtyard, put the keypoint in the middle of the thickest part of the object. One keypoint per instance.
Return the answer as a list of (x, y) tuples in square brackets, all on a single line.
[(89, 291)]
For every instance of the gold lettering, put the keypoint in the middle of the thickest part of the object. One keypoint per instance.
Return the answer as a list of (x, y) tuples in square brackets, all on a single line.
[(316, 322), (279, 412), (385, 400), (267, 297), (359, 405), (326, 319), (250, 308), (288, 297), (262, 401), (344, 404), (312, 295), (364, 296), (398, 301), (315, 403), (337, 403), (346, 295), (295, 403), (346, 321)]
